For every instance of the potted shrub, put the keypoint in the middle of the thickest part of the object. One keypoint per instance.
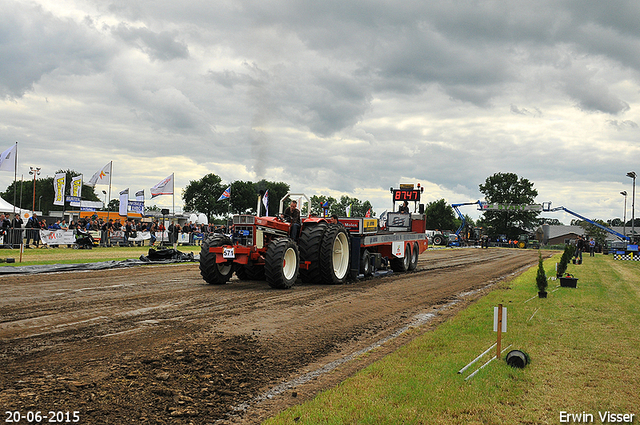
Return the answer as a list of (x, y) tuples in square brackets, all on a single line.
[(541, 278), (564, 260)]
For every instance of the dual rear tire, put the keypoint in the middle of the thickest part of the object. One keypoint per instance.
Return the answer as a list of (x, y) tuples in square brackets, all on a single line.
[(327, 248), (282, 263)]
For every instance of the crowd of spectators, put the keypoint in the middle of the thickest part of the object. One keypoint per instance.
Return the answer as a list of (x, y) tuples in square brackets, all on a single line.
[(111, 232)]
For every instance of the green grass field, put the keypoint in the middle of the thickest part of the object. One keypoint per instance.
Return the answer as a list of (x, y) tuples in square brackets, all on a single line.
[(584, 346), (64, 255)]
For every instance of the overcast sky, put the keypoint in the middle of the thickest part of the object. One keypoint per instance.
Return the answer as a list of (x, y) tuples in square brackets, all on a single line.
[(333, 97)]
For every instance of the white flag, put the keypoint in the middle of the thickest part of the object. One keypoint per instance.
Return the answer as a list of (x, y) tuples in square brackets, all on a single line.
[(165, 187), (140, 195), (103, 176), (8, 159), (124, 202), (59, 182), (265, 201)]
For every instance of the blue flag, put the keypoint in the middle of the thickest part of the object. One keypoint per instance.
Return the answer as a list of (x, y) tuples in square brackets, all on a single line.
[(226, 194)]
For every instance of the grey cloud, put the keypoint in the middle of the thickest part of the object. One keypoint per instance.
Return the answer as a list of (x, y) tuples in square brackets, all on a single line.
[(161, 46), (622, 125), (34, 43)]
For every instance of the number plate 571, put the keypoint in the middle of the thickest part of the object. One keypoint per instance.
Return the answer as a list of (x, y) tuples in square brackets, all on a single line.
[(228, 253)]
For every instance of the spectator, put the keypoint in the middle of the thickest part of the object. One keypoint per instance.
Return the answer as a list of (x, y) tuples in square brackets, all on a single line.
[(17, 223)]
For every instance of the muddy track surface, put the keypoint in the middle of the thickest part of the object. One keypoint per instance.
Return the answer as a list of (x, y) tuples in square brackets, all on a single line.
[(157, 345)]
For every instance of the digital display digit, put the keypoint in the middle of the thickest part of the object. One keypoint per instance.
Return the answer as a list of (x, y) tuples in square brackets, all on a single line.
[(406, 195)]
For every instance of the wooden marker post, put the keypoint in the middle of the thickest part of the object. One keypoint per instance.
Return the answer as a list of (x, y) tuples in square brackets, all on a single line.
[(499, 332), (499, 325)]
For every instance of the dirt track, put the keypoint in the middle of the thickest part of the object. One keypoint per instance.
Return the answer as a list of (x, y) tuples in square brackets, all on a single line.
[(157, 345)]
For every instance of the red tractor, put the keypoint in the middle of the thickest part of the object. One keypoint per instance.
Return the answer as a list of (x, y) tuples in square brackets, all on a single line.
[(264, 248)]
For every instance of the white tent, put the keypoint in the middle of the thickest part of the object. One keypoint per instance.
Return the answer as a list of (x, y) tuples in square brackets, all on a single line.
[(6, 207)]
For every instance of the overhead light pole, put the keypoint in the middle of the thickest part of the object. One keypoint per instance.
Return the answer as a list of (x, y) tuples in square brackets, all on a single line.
[(632, 174), (35, 171), (624, 219)]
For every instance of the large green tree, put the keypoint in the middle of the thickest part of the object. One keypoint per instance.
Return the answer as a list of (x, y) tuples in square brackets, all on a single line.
[(440, 216), (508, 188), (339, 207), (202, 196)]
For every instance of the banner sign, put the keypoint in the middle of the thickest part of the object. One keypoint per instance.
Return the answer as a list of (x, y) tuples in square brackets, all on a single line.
[(136, 206), (59, 182), (510, 207), (141, 236), (57, 237), (74, 201)]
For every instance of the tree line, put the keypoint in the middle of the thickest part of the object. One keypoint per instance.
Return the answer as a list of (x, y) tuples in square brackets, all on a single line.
[(203, 196)]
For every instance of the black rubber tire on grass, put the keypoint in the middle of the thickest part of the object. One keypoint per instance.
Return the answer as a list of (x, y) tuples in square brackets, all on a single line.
[(282, 263), (214, 273)]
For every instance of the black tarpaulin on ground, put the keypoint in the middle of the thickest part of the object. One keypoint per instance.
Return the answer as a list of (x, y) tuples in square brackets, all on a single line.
[(164, 256)]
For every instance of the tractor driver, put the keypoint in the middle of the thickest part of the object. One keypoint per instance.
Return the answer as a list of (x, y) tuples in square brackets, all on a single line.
[(292, 215)]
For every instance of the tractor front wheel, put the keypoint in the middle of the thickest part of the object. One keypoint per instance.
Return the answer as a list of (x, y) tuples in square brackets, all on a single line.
[(212, 272)]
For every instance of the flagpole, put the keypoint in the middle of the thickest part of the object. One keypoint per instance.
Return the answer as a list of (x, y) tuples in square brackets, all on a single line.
[(109, 200), (15, 179), (173, 193)]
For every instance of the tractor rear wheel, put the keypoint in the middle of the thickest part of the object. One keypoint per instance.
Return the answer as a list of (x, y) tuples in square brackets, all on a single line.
[(415, 252), (282, 263), (402, 264), (250, 272), (212, 272), (309, 243), (438, 240), (334, 255)]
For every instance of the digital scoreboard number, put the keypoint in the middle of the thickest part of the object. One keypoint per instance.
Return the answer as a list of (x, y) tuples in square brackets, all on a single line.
[(406, 195)]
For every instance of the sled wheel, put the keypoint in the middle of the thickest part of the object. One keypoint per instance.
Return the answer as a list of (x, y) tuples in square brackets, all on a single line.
[(282, 263), (415, 252), (402, 264), (365, 264), (214, 273)]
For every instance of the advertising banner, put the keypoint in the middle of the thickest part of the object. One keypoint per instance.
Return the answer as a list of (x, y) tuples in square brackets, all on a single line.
[(59, 182), (57, 237)]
